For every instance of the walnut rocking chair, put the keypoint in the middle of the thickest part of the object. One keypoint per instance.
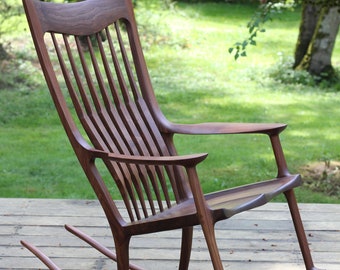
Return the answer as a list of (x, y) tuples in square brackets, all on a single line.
[(91, 56)]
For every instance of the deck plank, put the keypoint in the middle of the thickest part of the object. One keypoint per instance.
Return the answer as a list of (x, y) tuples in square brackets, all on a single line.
[(259, 239)]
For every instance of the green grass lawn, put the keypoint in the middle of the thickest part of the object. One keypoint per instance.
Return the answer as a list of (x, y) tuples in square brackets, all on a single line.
[(195, 80)]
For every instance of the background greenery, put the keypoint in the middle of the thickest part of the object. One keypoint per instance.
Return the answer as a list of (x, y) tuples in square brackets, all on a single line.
[(195, 79)]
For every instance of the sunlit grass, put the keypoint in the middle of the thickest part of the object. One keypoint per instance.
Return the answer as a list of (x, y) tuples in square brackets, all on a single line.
[(195, 80)]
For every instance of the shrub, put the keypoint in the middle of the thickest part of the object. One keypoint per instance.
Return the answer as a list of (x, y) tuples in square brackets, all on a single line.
[(284, 73)]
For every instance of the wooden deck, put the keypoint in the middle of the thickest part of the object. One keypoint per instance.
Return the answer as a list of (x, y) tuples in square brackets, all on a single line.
[(260, 239)]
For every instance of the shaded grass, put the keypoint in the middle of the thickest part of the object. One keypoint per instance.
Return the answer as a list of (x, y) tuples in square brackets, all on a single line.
[(36, 159), (195, 80)]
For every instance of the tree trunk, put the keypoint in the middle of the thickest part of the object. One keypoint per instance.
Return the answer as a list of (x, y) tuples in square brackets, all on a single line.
[(318, 31)]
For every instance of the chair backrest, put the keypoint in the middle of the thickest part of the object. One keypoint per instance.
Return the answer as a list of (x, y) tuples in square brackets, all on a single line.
[(92, 60)]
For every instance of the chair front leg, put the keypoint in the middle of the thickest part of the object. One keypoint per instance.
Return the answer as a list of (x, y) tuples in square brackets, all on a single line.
[(209, 234), (122, 252), (299, 229)]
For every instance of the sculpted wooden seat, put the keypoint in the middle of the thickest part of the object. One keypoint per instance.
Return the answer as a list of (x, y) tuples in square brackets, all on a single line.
[(94, 67)]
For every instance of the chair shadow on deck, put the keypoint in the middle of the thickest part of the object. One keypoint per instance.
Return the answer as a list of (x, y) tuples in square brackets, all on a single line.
[(94, 67)]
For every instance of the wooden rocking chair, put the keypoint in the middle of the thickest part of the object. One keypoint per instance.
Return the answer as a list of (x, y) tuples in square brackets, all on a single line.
[(94, 67)]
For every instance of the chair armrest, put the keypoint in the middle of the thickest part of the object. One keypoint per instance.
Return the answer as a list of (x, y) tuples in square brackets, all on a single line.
[(272, 130), (226, 128), (184, 160)]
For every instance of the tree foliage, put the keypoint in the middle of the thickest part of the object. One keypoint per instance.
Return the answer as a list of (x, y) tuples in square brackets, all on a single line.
[(8, 9), (265, 13), (319, 26), (256, 24)]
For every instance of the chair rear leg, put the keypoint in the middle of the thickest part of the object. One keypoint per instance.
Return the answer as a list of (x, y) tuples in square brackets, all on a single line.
[(186, 245), (299, 229)]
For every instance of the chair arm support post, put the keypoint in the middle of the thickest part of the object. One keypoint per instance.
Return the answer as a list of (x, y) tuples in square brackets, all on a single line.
[(279, 155), (205, 217)]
